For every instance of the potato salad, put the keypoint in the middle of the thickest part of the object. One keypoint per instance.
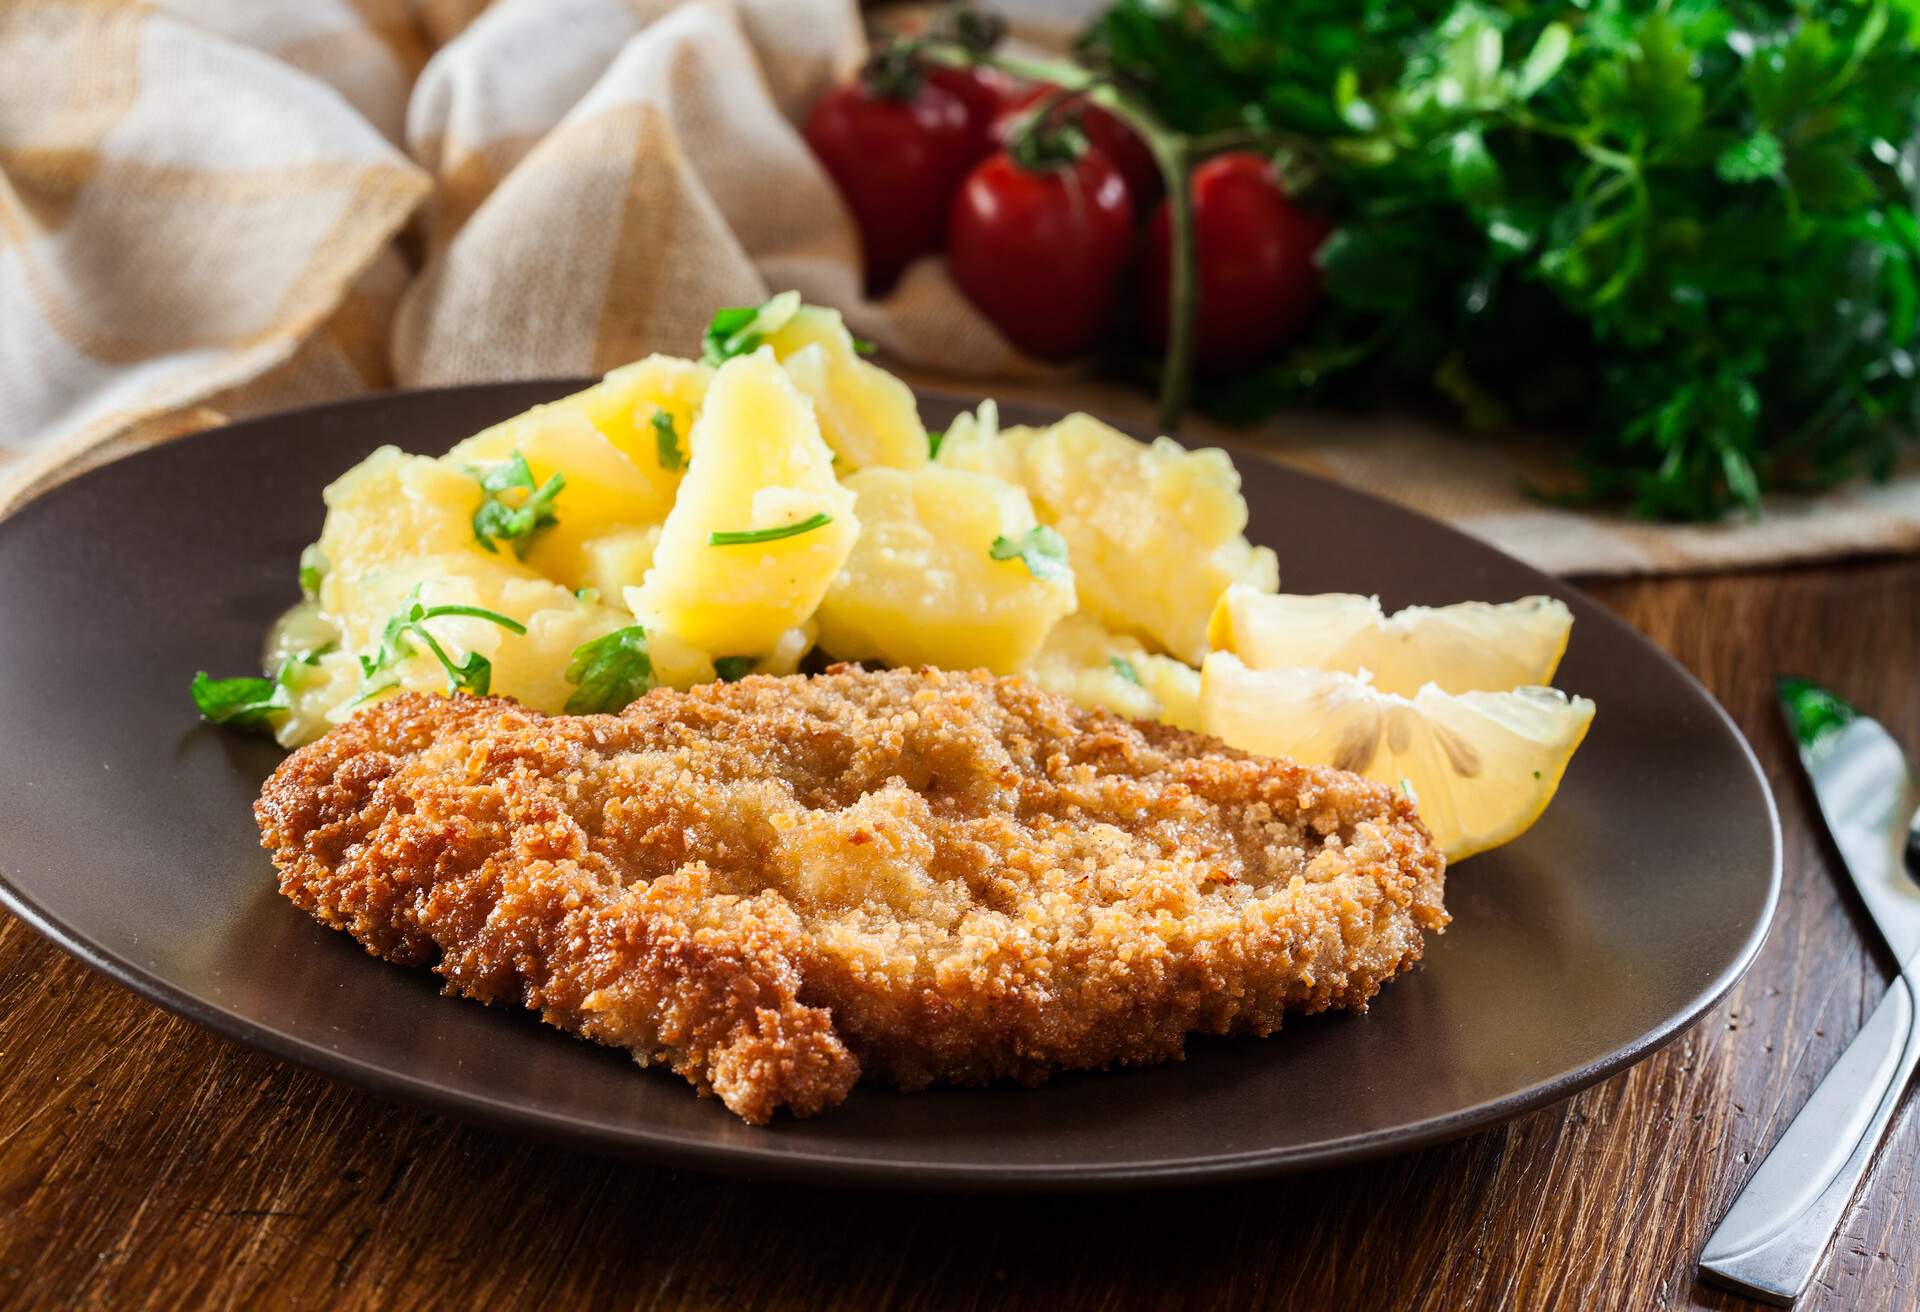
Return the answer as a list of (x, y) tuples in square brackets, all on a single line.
[(689, 520)]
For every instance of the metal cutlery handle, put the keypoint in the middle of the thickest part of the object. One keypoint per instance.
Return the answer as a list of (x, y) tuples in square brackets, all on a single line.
[(1775, 1236)]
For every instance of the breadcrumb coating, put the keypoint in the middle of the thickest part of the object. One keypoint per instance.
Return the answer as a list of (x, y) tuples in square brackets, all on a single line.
[(780, 885)]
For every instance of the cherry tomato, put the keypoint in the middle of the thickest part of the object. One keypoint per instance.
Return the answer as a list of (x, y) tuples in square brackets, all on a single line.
[(1106, 134), (986, 92), (1257, 282), (897, 159), (1040, 250)]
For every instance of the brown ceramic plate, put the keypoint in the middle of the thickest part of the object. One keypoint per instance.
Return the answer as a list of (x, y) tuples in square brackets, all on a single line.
[(126, 836)]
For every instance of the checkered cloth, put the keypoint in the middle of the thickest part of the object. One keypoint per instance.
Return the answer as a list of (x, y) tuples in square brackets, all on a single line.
[(217, 208)]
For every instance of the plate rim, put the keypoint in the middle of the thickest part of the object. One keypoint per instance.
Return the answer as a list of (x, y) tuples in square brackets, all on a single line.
[(676, 1151)]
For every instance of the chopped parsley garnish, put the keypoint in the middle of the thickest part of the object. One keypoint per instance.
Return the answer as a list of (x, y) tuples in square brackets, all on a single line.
[(1124, 668), (746, 537), (502, 520), (739, 329), (243, 703), (666, 442), (732, 669), (863, 346), (1043, 551), (609, 672), (313, 568), (935, 436), (474, 674)]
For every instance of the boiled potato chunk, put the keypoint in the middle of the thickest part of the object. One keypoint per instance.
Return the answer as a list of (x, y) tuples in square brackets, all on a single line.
[(604, 490), (530, 668), (621, 408), (392, 507), (977, 442), (791, 648), (978, 429), (619, 560), (1175, 685), (623, 405), (1156, 531), (922, 587), (1084, 661), (868, 416), (758, 464), (319, 690)]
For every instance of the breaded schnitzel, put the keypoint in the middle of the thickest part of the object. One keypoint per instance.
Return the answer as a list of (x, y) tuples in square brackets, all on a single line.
[(779, 885)]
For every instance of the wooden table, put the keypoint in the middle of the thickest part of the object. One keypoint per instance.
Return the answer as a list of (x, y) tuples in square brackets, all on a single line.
[(146, 1163)]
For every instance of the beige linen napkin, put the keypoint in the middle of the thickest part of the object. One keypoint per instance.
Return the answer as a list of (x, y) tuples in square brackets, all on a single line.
[(202, 206)]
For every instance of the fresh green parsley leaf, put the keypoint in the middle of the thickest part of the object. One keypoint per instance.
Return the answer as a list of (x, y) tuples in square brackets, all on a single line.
[(504, 475), (1473, 172), (935, 436), (242, 703), (745, 537), (313, 569), (1550, 50), (864, 347), (739, 329), (502, 520), (474, 674), (609, 672), (1124, 668), (732, 669), (1043, 551), (727, 333), (589, 595), (1649, 90), (666, 442), (1751, 159)]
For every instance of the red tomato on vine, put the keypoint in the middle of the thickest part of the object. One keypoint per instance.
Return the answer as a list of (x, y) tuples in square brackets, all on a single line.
[(1257, 284), (1105, 133), (986, 92), (897, 145), (1038, 238)]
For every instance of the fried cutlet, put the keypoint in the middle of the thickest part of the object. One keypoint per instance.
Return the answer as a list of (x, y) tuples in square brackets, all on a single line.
[(781, 885)]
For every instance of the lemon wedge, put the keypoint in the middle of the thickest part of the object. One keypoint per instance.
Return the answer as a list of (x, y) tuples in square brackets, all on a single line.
[(1480, 766), (1464, 648)]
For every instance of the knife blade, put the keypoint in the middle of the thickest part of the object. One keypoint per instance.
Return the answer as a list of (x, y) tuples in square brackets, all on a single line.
[(1868, 797), (1774, 1238)]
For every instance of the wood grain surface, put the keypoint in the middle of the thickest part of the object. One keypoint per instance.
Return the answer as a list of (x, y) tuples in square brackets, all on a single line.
[(145, 1163)]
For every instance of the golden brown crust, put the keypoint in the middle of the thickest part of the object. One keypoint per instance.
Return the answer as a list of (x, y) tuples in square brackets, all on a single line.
[(777, 884)]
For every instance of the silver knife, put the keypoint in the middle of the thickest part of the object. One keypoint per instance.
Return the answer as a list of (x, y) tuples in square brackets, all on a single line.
[(1776, 1235)]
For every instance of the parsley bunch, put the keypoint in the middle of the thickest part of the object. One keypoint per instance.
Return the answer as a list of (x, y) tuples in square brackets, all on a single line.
[(1682, 231)]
